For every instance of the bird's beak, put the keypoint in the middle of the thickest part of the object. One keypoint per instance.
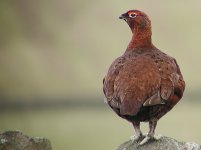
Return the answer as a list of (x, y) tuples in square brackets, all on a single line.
[(123, 16)]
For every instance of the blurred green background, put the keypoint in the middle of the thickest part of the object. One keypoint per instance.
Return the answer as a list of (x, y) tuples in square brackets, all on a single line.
[(55, 53)]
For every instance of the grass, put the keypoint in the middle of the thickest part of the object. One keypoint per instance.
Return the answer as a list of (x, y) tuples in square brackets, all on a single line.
[(97, 128)]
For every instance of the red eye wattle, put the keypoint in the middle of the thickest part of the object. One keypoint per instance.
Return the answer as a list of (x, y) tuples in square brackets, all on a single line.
[(132, 15)]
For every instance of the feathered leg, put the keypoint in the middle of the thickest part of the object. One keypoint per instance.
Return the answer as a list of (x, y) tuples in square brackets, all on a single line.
[(150, 135), (138, 132)]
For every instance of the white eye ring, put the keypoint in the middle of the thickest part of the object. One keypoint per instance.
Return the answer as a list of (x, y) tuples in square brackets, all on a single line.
[(132, 15)]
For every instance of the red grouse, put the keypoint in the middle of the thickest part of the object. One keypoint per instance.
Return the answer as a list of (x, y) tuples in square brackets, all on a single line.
[(144, 83)]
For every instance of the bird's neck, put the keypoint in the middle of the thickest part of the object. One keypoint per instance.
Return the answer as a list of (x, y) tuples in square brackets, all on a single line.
[(141, 38)]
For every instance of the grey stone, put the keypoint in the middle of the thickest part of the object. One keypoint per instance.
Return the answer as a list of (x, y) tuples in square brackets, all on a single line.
[(16, 140), (164, 143)]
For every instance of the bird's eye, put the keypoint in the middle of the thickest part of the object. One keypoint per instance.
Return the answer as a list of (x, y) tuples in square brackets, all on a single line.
[(132, 15)]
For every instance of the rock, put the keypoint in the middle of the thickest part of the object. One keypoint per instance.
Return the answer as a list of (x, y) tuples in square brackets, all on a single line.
[(164, 143), (16, 140)]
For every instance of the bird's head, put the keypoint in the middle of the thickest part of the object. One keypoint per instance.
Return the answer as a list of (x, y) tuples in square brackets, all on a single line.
[(136, 19)]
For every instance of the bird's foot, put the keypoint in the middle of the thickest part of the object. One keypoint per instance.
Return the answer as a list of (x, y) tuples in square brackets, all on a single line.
[(136, 137), (150, 137)]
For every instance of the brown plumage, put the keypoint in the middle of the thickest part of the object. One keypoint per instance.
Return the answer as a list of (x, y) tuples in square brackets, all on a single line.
[(144, 83)]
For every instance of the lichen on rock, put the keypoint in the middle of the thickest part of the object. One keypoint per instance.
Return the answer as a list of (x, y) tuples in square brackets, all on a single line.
[(164, 143), (16, 140)]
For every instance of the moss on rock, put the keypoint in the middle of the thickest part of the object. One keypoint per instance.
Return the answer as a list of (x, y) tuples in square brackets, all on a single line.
[(165, 143), (16, 140)]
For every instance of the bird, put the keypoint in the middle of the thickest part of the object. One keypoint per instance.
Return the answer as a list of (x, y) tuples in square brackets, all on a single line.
[(144, 83)]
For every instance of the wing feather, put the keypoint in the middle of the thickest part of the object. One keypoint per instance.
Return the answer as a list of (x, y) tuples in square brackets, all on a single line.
[(135, 82)]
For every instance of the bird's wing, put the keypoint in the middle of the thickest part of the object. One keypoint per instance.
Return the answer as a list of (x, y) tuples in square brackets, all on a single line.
[(137, 82), (108, 81), (180, 86), (163, 94), (153, 100), (170, 78)]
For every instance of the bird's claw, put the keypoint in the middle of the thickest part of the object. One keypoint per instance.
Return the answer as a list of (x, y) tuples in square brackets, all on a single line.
[(135, 137), (145, 140), (148, 138)]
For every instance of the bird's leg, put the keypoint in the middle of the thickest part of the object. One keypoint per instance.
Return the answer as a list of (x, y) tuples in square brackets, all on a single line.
[(150, 135), (138, 132)]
